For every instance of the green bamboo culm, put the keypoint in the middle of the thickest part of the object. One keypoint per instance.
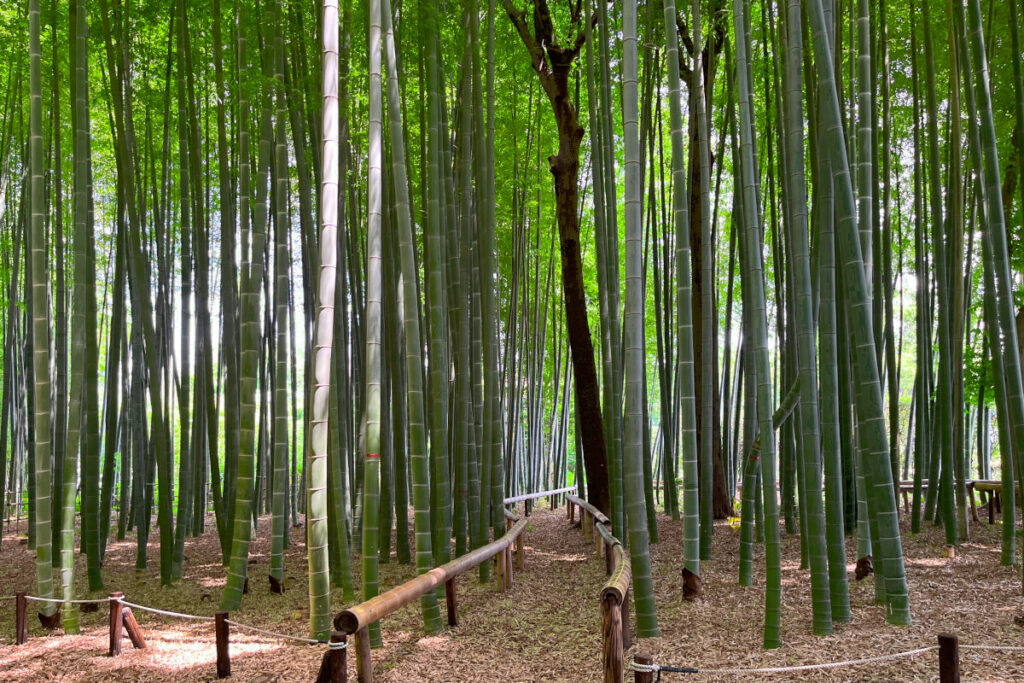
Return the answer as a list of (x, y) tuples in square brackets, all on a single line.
[(809, 432), (633, 323), (252, 284), (871, 418), (323, 339), (708, 324), (80, 221), (374, 283), (419, 465), (995, 228), (684, 314), (40, 321), (279, 495), (434, 249), (754, 298)]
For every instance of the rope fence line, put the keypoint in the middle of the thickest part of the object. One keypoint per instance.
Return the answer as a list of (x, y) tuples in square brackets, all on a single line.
[(655, 668), (82, 601), (649, 672), (163, 612), (180, 615), (285, 636)]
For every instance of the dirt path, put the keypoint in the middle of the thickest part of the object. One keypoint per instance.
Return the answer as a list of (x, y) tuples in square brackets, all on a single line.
[(547, 627)]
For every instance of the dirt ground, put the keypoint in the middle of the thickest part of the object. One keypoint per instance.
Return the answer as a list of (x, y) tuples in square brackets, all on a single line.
[(546, 629)]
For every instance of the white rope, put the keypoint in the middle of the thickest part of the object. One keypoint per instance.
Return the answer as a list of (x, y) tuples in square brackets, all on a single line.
[(83, 601), (163, 612), (299, 639), (337, 646), (652, 668), (1008, 648)]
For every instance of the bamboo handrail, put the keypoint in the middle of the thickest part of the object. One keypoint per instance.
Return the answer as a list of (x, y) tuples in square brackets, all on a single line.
[(614, 595), (594, 512), (362, 615), (618, 584), (539, 494)]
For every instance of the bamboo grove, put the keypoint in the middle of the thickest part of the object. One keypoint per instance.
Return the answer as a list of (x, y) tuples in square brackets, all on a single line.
[(348, 274)]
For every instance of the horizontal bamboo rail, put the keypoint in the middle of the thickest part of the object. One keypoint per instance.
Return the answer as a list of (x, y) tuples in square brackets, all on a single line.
[(597, 515), (539, 494), (614, 595), (357, 619)]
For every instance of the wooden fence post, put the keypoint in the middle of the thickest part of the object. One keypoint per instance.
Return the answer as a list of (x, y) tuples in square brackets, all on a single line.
[(21, 619), (520, 552), (115, 623), (608, 559), (449, 594), (643, 676), (364, 663), (949, 658), (501, 572), (627, 634), (339, 661), (611, 639), (223, 653)]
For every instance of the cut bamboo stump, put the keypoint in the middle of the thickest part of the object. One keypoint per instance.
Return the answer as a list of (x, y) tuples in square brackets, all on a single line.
[(949, 658), (115, 623), (21, 619), (223, 651)]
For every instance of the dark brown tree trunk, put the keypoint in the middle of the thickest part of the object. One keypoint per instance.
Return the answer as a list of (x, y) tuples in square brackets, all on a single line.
[(722, 497), (553, 64)]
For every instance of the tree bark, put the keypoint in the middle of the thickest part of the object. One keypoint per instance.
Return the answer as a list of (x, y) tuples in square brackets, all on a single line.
[(553, 64)]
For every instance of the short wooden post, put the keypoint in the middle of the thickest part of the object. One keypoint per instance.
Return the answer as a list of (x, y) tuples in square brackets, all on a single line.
[(449, 595), (949, 658), (643, 676), (991, 508), (627, 632), (585, 523), (338, 658), (509, 570), (611, 640), (608, 559), (115, 623), (501, 572), (21, 619), (568, 511), (132, 627), (223, 653), (598, 541), (364, 664), (520, 552)]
